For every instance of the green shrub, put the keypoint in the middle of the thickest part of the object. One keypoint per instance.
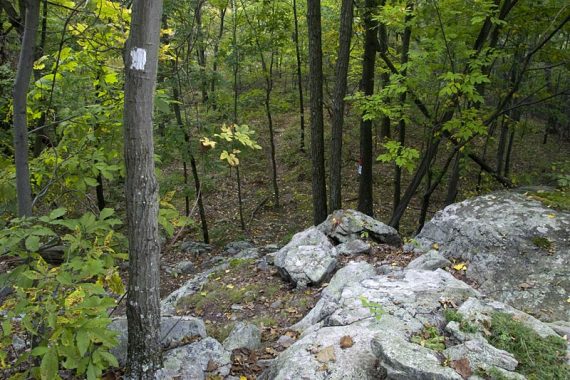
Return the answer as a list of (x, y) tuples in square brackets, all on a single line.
[(62, 309)]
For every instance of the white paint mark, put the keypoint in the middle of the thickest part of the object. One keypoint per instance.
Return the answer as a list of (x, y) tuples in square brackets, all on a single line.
[(138, 58)]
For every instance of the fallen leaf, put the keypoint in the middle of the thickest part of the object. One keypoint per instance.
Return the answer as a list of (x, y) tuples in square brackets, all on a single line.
[(462, 367), (230, 286), (346, 342), (435, 246), (551, 216), (326, 355), (525, 286), (460, 266), (212, 366)]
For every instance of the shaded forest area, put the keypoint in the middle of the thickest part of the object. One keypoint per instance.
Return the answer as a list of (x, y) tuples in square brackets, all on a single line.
[(261, 117)]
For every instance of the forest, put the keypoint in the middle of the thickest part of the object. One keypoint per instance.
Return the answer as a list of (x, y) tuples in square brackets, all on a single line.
[(128, 127)]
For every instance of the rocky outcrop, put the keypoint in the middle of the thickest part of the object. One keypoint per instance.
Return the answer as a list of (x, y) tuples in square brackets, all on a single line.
[(308, 259), (244, 335), (383, 315), (344, 226), (516, 250)]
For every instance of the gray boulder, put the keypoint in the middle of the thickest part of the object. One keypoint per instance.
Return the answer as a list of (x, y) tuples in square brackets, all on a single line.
[(482, 355), (236, 247), (516, 249), (183, 267), (348, 225), (355, 247), (398, 306), (244, 335), (308, 259), (432, 260), (195, 247), (173, 331), (206, 358)]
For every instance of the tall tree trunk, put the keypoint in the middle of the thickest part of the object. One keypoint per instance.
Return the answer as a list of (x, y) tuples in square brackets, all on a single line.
[(235, 54), (299, 78), (385, 76), (365, 202), (402, 123), (316, 89), (268, 89), (21, 84), (341, 72), (141, 191), (215, 58), (201, 51), (453, 184)]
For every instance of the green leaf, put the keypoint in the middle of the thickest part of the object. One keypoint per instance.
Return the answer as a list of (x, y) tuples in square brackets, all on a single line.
[(39, 351), (90, 181), (58, 212), (91, 372), (105, 213), (82, 342), (110, 358), (49, 365), (33, 243)]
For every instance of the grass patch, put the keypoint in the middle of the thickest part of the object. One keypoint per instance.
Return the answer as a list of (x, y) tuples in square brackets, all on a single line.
[(214, 294), (219, 331), (539, 358), (264, 321), (559, 199)]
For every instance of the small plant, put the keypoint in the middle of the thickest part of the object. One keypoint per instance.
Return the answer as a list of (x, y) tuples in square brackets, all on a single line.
[(375, 308), (430, 338), (542, 243), (452, 315), (539, 358), (61, 309)]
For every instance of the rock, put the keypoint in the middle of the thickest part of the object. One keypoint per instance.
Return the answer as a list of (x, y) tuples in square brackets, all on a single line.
[(195, 247), (285, 341), (403, 303), (243, 336), (430, 261), (355, 247), (307, 259), (344, 226), (236, 247), (562, 328), (262, 264), (269, 248), (173, 330), (206, 358), (248, 253), (515, 248), (482, 355), (183, 267), (277, 304)]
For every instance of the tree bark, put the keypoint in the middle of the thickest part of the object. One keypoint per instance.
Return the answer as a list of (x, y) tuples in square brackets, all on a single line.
[(316, 89), (201, 51), (341, 72), (365, 202), (21, 84), (215, 58), (299, 78), (141, 191)]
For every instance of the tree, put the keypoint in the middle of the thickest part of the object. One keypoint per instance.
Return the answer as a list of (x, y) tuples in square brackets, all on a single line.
[(141, 191), (316, 89), (21, 84), (365, 202), (341, 72), (299, 78)]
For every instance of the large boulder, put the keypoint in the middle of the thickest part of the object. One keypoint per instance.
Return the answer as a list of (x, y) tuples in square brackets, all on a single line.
[(516, 250), (173, 331), (244, 335), (344, 226), (204, 359), (366, 326), (308, 259)]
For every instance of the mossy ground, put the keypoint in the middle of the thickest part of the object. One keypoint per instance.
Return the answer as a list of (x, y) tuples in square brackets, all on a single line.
[(539, 358)]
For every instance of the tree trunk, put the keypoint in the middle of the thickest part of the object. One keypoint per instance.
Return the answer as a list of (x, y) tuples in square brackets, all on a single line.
[(365, 202), (402, 123), (201, 51), (299, 77), (453, 184), (201, 209), (21, 84), (141, 191), (385, 76), (268, 89), (215, 58), (235, 57), (316, 88), (341, 72)]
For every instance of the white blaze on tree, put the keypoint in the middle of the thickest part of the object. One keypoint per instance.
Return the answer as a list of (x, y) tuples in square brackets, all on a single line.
[(138, 59)]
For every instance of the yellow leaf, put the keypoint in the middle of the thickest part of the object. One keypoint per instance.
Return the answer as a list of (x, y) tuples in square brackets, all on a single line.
[(435, 246), (230, 286), (207, 143), (551, 216), (203, 294), (460, 266), (242, 378)]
